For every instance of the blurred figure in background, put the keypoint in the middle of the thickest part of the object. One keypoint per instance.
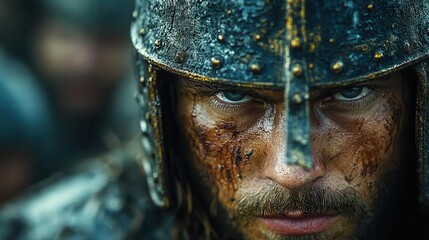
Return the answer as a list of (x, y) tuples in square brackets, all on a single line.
[(81, 52), (25, 129), (26, 135)]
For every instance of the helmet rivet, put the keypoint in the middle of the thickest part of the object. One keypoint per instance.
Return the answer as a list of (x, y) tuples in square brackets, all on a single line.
[(142, 32), (147, 116), (135, 13), (407, 47), (370, 7), (150, 68), (378, 55), (331, 40), (297, 70), (311, 65), (337, 67), (147, 146), (143, 126), (142, 80), (301, 140), (216, 62), (295, 43), (180, 57), (256, 67), (220, 38), (312, 47), (158, 43), (297, 98), (257, 37)]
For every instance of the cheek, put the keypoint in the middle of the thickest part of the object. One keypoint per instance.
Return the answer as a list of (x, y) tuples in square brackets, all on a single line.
[(222, 149), (364, 149)]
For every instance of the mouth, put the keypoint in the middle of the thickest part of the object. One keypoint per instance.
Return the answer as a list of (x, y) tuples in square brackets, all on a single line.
[(298, 223)]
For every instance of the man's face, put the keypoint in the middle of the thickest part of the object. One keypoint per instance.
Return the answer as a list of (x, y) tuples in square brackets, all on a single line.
[(80, 68), (236, 140)]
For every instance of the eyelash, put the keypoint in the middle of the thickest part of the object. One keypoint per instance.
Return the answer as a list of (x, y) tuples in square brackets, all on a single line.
[(220, 105), (352, 104)]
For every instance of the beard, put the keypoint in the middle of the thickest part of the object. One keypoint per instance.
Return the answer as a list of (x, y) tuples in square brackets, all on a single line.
[(309, 201), (379, 222)]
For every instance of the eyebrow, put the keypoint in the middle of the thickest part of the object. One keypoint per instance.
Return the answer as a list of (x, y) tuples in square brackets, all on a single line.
[(215, 86), (317, 92), (382, 81)]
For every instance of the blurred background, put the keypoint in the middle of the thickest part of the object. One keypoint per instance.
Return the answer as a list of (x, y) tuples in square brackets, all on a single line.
[(66, 86)]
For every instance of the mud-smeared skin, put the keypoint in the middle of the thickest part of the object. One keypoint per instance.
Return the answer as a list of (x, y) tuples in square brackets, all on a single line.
[(239, 151)]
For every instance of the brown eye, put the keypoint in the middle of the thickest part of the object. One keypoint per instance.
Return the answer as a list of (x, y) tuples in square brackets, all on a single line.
[(233, 97)]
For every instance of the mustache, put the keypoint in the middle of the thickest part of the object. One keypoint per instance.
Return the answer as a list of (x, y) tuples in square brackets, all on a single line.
[(277, 201)]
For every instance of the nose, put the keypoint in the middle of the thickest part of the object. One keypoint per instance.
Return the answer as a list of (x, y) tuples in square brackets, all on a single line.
[(278, 169), (291, 176)]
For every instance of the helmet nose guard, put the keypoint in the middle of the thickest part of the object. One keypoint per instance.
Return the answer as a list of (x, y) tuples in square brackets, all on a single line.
[(290, 44)]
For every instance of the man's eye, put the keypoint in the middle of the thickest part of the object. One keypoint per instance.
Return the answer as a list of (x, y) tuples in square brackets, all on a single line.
[(350, 94), (233, 97)]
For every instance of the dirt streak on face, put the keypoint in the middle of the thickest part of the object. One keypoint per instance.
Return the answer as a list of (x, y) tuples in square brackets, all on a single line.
[(236, 143), (223, 141)]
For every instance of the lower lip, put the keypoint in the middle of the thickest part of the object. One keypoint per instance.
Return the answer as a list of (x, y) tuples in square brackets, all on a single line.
[(298, 225)]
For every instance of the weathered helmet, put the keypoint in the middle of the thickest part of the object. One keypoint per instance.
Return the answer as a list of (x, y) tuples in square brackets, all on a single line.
[(292, 44)]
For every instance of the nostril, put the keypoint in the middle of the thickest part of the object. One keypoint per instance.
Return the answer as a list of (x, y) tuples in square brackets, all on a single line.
[(293, 176)]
